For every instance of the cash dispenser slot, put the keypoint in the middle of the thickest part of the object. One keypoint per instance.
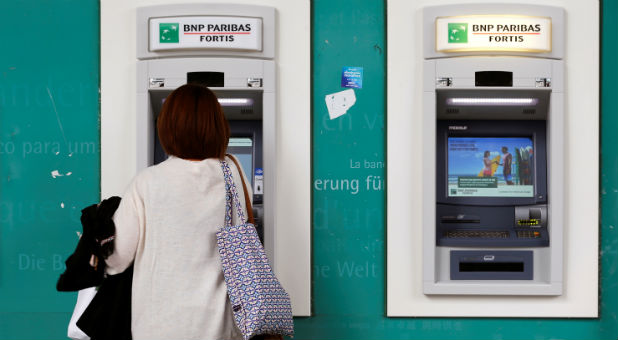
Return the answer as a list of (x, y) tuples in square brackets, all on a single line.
[(460, 219), (491, 265)]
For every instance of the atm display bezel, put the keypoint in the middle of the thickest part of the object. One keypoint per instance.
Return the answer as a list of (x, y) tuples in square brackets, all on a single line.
[(534, 129)]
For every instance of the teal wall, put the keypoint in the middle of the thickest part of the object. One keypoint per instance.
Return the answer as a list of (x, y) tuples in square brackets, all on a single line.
[(349, 229), (49, 120)]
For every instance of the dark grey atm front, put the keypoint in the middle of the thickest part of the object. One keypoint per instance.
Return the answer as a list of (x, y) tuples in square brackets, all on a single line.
[(491, 188)]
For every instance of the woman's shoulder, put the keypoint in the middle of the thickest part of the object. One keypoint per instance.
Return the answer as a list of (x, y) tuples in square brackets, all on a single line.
[(175, 167), (147, 172), (152, 173)]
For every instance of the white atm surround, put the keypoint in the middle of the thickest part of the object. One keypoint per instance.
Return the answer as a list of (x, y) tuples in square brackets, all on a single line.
[(406, 125), (288, 59)]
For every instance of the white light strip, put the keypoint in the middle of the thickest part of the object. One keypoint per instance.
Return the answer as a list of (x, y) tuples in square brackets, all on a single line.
[(493, 101), (235, 101)]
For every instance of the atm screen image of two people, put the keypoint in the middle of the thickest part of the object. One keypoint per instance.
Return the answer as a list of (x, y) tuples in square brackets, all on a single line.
[(490, 167)]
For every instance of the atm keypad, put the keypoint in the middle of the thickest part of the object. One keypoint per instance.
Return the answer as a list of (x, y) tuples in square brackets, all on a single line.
[(477, 234), (528, 234)]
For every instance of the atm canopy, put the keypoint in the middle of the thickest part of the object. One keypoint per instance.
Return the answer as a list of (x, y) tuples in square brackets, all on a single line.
[(243, 104), (492, 104)]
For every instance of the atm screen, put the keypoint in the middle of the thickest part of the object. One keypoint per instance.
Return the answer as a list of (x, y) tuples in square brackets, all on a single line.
[(242, 148), (490, 167)]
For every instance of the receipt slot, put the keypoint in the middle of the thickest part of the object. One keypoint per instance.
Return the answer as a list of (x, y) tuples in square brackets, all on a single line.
[(494, 123), (230, 49)]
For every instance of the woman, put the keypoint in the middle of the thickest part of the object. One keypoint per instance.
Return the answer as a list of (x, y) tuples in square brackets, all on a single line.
[(166, 225)]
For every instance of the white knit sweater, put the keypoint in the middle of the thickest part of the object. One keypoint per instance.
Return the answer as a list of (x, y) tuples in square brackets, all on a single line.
[(166, 224)]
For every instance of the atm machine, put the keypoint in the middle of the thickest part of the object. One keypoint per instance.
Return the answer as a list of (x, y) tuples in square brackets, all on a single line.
[(493, 111), (244, 111), (234, 57)]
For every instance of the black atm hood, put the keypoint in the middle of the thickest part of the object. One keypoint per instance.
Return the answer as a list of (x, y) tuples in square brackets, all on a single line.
[(492, 104)]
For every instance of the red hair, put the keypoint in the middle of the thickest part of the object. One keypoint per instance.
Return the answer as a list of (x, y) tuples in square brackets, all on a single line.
[(192, 125)]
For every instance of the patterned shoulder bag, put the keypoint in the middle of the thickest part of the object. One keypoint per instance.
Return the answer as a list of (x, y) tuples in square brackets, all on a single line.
[(259, 302)]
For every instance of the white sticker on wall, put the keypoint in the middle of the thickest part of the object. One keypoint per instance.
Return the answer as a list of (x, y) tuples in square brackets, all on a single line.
[(339, 103)]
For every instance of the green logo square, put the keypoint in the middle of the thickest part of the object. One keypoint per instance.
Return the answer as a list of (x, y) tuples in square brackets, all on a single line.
[(168, 32), (457, 32)]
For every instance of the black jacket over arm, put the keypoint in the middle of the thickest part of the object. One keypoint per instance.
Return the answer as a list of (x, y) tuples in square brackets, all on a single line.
[(108, 315)]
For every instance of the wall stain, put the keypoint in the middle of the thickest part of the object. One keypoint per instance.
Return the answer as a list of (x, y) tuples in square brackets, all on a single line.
[(377, 48)]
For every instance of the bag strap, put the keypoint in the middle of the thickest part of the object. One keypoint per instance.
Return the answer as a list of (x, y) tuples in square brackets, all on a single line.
[(228, 196), (250, 217), (232, 195)]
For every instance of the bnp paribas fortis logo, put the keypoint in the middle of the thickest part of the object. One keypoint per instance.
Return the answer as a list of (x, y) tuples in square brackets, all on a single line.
[(168, 32), (457, 32)]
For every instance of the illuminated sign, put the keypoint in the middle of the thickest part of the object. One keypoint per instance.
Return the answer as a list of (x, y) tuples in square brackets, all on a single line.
[(478, 33), (206, 32)]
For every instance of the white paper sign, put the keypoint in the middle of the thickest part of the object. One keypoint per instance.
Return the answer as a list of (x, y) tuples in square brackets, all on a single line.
[(206, 32), (493, 33), (339, 103)]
